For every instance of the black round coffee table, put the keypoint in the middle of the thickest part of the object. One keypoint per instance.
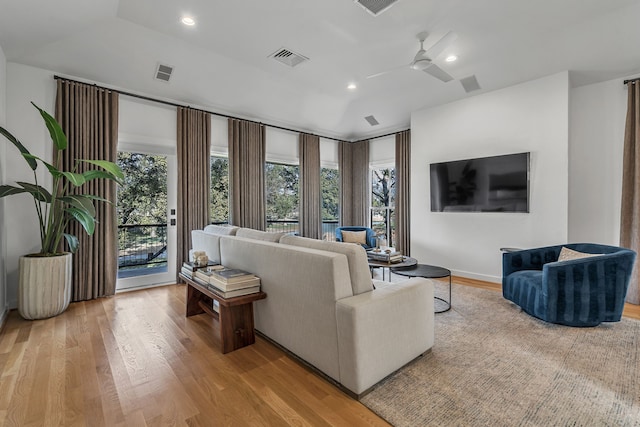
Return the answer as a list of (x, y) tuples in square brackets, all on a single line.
[(428, 272)]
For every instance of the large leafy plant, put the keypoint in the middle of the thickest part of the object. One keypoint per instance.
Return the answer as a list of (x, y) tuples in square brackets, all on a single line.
[(56, 208)]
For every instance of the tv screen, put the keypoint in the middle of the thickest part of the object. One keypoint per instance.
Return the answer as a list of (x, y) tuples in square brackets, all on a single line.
[(486, 184)]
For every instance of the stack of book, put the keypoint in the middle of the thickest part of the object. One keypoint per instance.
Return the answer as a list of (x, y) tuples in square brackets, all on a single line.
[(389, 256), (228, 282), (189, 268)]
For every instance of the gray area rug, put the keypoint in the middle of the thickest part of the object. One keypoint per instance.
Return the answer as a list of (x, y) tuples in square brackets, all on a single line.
[(494, 365)]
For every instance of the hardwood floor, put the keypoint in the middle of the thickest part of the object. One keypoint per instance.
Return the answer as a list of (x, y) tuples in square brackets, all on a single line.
[(136, 360)]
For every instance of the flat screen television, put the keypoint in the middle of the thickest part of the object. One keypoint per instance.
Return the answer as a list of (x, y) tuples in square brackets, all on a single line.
[(486, 184)]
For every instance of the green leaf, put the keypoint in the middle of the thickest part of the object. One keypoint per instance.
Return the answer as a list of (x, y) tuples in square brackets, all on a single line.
[(52, 169), (39, 193), (7, 190), (110, 167), (32, 163), (97, 174), (80, 201), (76, 179), (57, 135), (72, 241), (87, 221)]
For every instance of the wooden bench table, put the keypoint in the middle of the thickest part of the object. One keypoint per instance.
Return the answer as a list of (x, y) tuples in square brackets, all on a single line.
[(235, 317)]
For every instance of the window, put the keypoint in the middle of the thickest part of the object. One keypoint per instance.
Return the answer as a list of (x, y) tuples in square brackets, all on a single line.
[(383, 194), (330, 189), (219, 192), (282, 197)]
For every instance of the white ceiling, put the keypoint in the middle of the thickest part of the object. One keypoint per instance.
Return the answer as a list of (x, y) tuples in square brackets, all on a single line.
[(222, 63)]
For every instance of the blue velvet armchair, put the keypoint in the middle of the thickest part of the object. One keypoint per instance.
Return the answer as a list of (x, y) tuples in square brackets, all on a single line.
[(579, 292), (371, 235)]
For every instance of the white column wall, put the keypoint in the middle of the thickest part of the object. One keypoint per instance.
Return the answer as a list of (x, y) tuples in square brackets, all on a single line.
[(3, 145), (532, 116), (598, 114), (25, 84)]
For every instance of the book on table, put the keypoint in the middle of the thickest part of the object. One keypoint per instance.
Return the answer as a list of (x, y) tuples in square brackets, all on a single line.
[(230, 275), (189, 268), (246, 280), (235, 293)]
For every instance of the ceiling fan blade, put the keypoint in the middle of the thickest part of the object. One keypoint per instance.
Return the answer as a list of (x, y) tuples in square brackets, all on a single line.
[(441, 45), (387, 72), (438, 73)]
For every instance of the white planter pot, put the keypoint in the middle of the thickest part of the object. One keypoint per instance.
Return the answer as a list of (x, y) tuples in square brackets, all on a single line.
[(44, 288)]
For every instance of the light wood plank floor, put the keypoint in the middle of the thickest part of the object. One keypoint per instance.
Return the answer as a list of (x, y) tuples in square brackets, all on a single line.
[(135, 360)]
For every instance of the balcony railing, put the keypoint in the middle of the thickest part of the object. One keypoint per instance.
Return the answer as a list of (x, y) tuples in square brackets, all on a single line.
[(142, 246)]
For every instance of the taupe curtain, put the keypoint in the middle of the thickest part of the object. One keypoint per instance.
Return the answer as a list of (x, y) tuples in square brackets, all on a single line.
[(89, 117), (403, 176), (246, 174), (630, 215), (355, 189), (310, 203), (194, 152)]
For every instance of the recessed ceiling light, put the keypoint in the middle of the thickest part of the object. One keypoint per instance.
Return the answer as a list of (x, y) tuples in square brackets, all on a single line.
[(451, 58), (188, 20), (351, 86)]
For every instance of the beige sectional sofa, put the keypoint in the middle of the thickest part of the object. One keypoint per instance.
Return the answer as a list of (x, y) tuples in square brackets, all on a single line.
[(322, 306)]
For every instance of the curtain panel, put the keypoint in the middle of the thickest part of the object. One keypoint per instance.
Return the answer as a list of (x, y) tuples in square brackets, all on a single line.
[(355, 188), (310, 200), (193, 153), (246, 174), (89, 118), (403, 191), (630, 210)]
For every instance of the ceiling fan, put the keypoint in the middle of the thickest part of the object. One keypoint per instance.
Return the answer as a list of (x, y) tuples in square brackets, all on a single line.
[(423, 61)]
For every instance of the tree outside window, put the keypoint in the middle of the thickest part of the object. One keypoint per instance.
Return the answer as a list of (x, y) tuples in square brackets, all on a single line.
[(219, 191), (383, 194), (282, 183), (330, 188)]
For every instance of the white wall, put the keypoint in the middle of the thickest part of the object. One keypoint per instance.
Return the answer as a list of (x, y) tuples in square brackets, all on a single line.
[(3, 144), (532, 116), (598, 114), (25, 84)]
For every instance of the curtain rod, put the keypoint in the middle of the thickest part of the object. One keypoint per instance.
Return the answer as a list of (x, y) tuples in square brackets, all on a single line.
[(173, 104), (381, 136), (631, 80)]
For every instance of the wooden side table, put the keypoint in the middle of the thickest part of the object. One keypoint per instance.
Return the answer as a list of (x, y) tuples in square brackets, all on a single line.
[(235, 317)]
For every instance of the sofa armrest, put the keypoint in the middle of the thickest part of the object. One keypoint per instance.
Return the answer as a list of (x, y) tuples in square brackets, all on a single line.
[(382, 330), (529, 259)]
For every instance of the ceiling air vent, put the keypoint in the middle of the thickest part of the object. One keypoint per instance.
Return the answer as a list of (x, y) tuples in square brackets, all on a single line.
[(372, 120), (376, 7), (163, 72), (470, 84), (288, 57)]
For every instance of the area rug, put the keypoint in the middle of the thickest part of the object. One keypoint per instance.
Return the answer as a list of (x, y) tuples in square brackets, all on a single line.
[(494, 365)]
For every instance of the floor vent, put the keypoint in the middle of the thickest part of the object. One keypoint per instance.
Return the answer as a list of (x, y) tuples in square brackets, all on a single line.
[(372, 120), (376, 7), (163, 72), (288, 57), (470, 84)]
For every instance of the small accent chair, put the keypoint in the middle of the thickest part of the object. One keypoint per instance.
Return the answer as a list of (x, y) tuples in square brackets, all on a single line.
[(370, 236), (578, 292)]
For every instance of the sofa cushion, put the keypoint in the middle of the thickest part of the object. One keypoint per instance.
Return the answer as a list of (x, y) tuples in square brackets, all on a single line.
[(359, 237), (221, 230), (208, 242), (250, 233), (359, 272)]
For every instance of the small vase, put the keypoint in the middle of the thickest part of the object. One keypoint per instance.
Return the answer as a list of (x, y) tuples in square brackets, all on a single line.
[(44, 288)]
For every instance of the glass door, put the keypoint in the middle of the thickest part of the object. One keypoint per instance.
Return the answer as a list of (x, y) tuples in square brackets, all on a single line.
[(146, 206)]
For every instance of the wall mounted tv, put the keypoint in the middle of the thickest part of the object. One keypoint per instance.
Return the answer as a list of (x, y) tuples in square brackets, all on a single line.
[(486, 184)]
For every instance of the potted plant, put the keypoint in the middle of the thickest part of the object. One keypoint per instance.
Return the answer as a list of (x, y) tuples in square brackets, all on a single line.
[(44, 288)]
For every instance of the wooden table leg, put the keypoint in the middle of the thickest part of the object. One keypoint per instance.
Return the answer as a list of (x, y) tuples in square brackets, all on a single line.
[(236, 327), (193, 298)]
